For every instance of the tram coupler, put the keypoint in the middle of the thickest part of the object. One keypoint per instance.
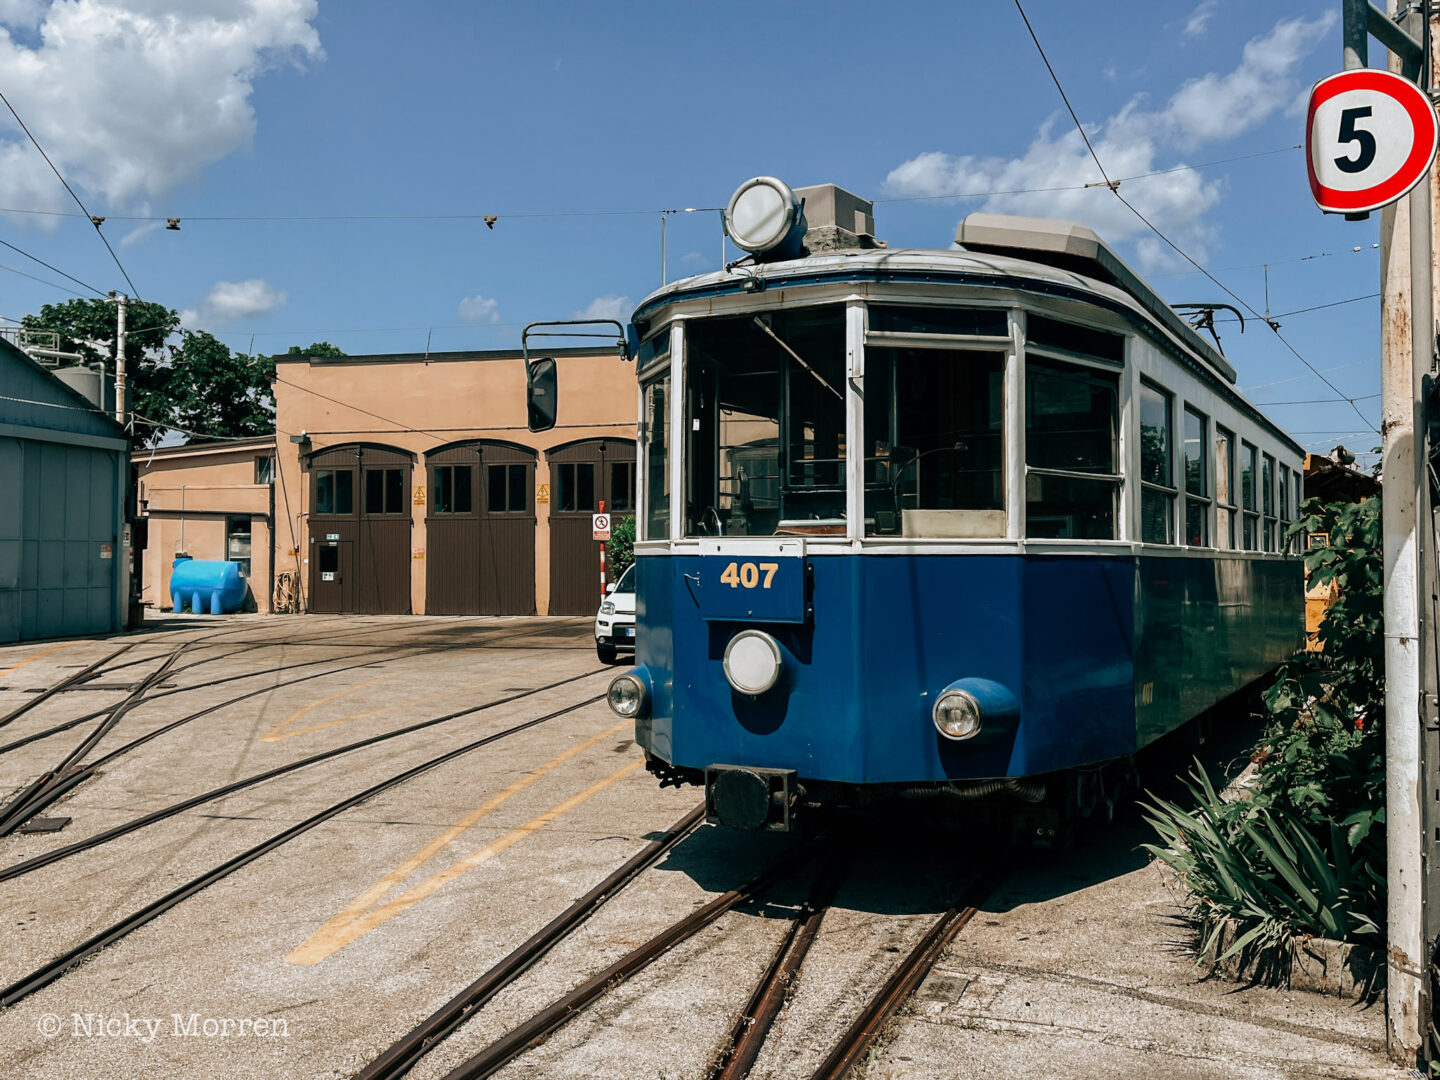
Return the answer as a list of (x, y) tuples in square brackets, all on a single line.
[(747, 797)]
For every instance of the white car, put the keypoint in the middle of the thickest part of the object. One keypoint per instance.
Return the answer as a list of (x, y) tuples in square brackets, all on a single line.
[(615, 623)]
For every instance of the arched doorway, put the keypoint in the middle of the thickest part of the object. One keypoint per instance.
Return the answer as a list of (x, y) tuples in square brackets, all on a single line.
[(360, 530), (582, 475), (480, 530)]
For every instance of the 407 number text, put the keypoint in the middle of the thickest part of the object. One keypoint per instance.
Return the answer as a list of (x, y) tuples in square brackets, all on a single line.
[(747, 575)]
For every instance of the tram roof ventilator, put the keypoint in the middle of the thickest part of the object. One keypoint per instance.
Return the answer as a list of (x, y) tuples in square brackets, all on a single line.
[(1068, 245)]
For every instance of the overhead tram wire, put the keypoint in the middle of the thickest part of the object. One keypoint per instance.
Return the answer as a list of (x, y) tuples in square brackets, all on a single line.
[(93, 219), (42, 281), (55, 269), (1114, 186)]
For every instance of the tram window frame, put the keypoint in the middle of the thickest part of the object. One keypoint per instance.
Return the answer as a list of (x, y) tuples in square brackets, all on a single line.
[(1267, 499), (930, 494), (653, 457), (1196, 477), (1249, 505), (937, 321), (1226, 503), (1065, 339), (1155, 495), (1045, 478)]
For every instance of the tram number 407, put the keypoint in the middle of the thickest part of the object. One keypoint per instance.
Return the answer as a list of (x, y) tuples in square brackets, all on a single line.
[(747, 575)]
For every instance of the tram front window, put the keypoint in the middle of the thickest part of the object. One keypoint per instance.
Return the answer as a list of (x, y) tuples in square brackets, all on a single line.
[(766, 424), (934, 443)]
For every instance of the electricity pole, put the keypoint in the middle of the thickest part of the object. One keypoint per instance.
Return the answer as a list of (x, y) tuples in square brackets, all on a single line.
[(1407, 356), (121, 412)]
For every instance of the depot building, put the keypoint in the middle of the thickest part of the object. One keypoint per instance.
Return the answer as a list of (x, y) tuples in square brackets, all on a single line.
[(400, 484)]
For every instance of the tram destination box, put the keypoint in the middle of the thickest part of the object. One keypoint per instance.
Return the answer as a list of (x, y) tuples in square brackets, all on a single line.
[(750, 582)]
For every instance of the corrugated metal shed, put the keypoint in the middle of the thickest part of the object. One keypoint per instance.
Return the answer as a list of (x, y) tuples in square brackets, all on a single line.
[(63, 472)]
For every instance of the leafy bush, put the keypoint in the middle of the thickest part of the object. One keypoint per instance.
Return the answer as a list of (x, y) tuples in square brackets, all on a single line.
[(1305, 852), (620, 548)]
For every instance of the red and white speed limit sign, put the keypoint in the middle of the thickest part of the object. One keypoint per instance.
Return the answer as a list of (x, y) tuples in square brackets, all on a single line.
[(1370, 137)]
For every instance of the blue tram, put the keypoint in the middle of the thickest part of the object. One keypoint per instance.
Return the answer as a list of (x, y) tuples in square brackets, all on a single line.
[(969, 525)]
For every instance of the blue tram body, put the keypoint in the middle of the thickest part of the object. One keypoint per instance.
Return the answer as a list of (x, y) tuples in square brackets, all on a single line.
[(917, 523)]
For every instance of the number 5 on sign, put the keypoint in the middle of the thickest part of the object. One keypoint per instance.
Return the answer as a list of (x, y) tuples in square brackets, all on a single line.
[(1370, 136), (747, 575)]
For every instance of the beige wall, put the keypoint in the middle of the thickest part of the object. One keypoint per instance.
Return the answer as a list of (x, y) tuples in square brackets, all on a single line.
[(187, 493), (416, 405)]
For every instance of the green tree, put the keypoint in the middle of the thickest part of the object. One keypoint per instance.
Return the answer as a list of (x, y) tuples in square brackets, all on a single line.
[(620, 548), (319, 348), (213, 392), (88, 327)]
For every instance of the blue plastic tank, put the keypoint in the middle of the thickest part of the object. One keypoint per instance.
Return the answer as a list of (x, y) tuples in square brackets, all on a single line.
[(208, 585)]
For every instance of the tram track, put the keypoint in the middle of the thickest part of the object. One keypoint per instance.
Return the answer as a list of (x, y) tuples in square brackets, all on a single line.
[(56, 968), (751, 1027), (48, 858)]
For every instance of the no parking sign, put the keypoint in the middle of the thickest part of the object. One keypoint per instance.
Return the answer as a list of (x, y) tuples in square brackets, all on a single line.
[(1370, 136)]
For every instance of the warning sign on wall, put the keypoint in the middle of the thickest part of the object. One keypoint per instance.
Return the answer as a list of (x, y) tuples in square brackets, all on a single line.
[(107, 551)]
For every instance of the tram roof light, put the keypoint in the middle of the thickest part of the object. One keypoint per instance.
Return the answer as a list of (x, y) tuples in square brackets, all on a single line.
[(763, 214)]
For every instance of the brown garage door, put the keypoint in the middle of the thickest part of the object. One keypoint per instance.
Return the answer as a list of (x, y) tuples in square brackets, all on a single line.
[(582, 475), (480, 530), (360, 530)]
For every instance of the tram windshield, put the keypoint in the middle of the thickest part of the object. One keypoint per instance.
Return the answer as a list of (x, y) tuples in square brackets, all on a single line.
[(765, 405)]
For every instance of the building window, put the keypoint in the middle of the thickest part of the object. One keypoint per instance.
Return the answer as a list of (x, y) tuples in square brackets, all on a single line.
[(452, 489), (334, 491), (575, 488), (509, 489), (1267, 482), (384, 491), (1249, 466), (1197, 479), (1286, 509), (1072, 483), (655, 442), (1157, 482), (1224, 488), (265, 470), (237, 543), (622, 487)]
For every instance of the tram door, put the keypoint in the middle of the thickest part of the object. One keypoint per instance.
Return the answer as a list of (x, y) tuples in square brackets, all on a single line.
[(582, 475)]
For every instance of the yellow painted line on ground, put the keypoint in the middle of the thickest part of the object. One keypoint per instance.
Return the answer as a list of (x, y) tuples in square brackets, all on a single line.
[(362, 916), (278, 732), (35, 656)]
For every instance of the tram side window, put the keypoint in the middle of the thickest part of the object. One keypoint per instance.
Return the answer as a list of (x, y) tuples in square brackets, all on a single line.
[(935, 443), (765, 414), (1249, 466), (1267, 481), (656, 423), (1157, 484), (1072, 481), (1197, 480), (1224, 488)]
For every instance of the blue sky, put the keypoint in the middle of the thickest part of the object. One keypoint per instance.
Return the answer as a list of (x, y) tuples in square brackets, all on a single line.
[(289, 108)]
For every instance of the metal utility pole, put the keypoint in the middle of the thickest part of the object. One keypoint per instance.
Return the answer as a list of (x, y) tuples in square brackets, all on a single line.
[(1407, 345), (122, 416)]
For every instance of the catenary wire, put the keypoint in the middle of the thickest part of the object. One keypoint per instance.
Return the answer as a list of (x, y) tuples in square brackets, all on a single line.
[(1114, 186), (93, 220), (56, 269)]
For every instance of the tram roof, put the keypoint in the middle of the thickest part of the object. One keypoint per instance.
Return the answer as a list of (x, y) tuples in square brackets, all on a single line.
[(1126, 290)]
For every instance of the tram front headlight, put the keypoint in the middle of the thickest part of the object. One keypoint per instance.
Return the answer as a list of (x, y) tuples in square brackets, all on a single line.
[(627, 695), (957, 715), (752, 662)]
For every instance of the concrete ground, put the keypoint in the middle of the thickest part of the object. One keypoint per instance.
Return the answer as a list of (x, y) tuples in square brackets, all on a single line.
[(311, 960)]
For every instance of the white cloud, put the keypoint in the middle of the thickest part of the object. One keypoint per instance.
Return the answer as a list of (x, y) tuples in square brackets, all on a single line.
[(1199, 20), (1212, 108), (132, 98), (479, 308), (139, 233), (606, 307), (695, 260), (228, 301)]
